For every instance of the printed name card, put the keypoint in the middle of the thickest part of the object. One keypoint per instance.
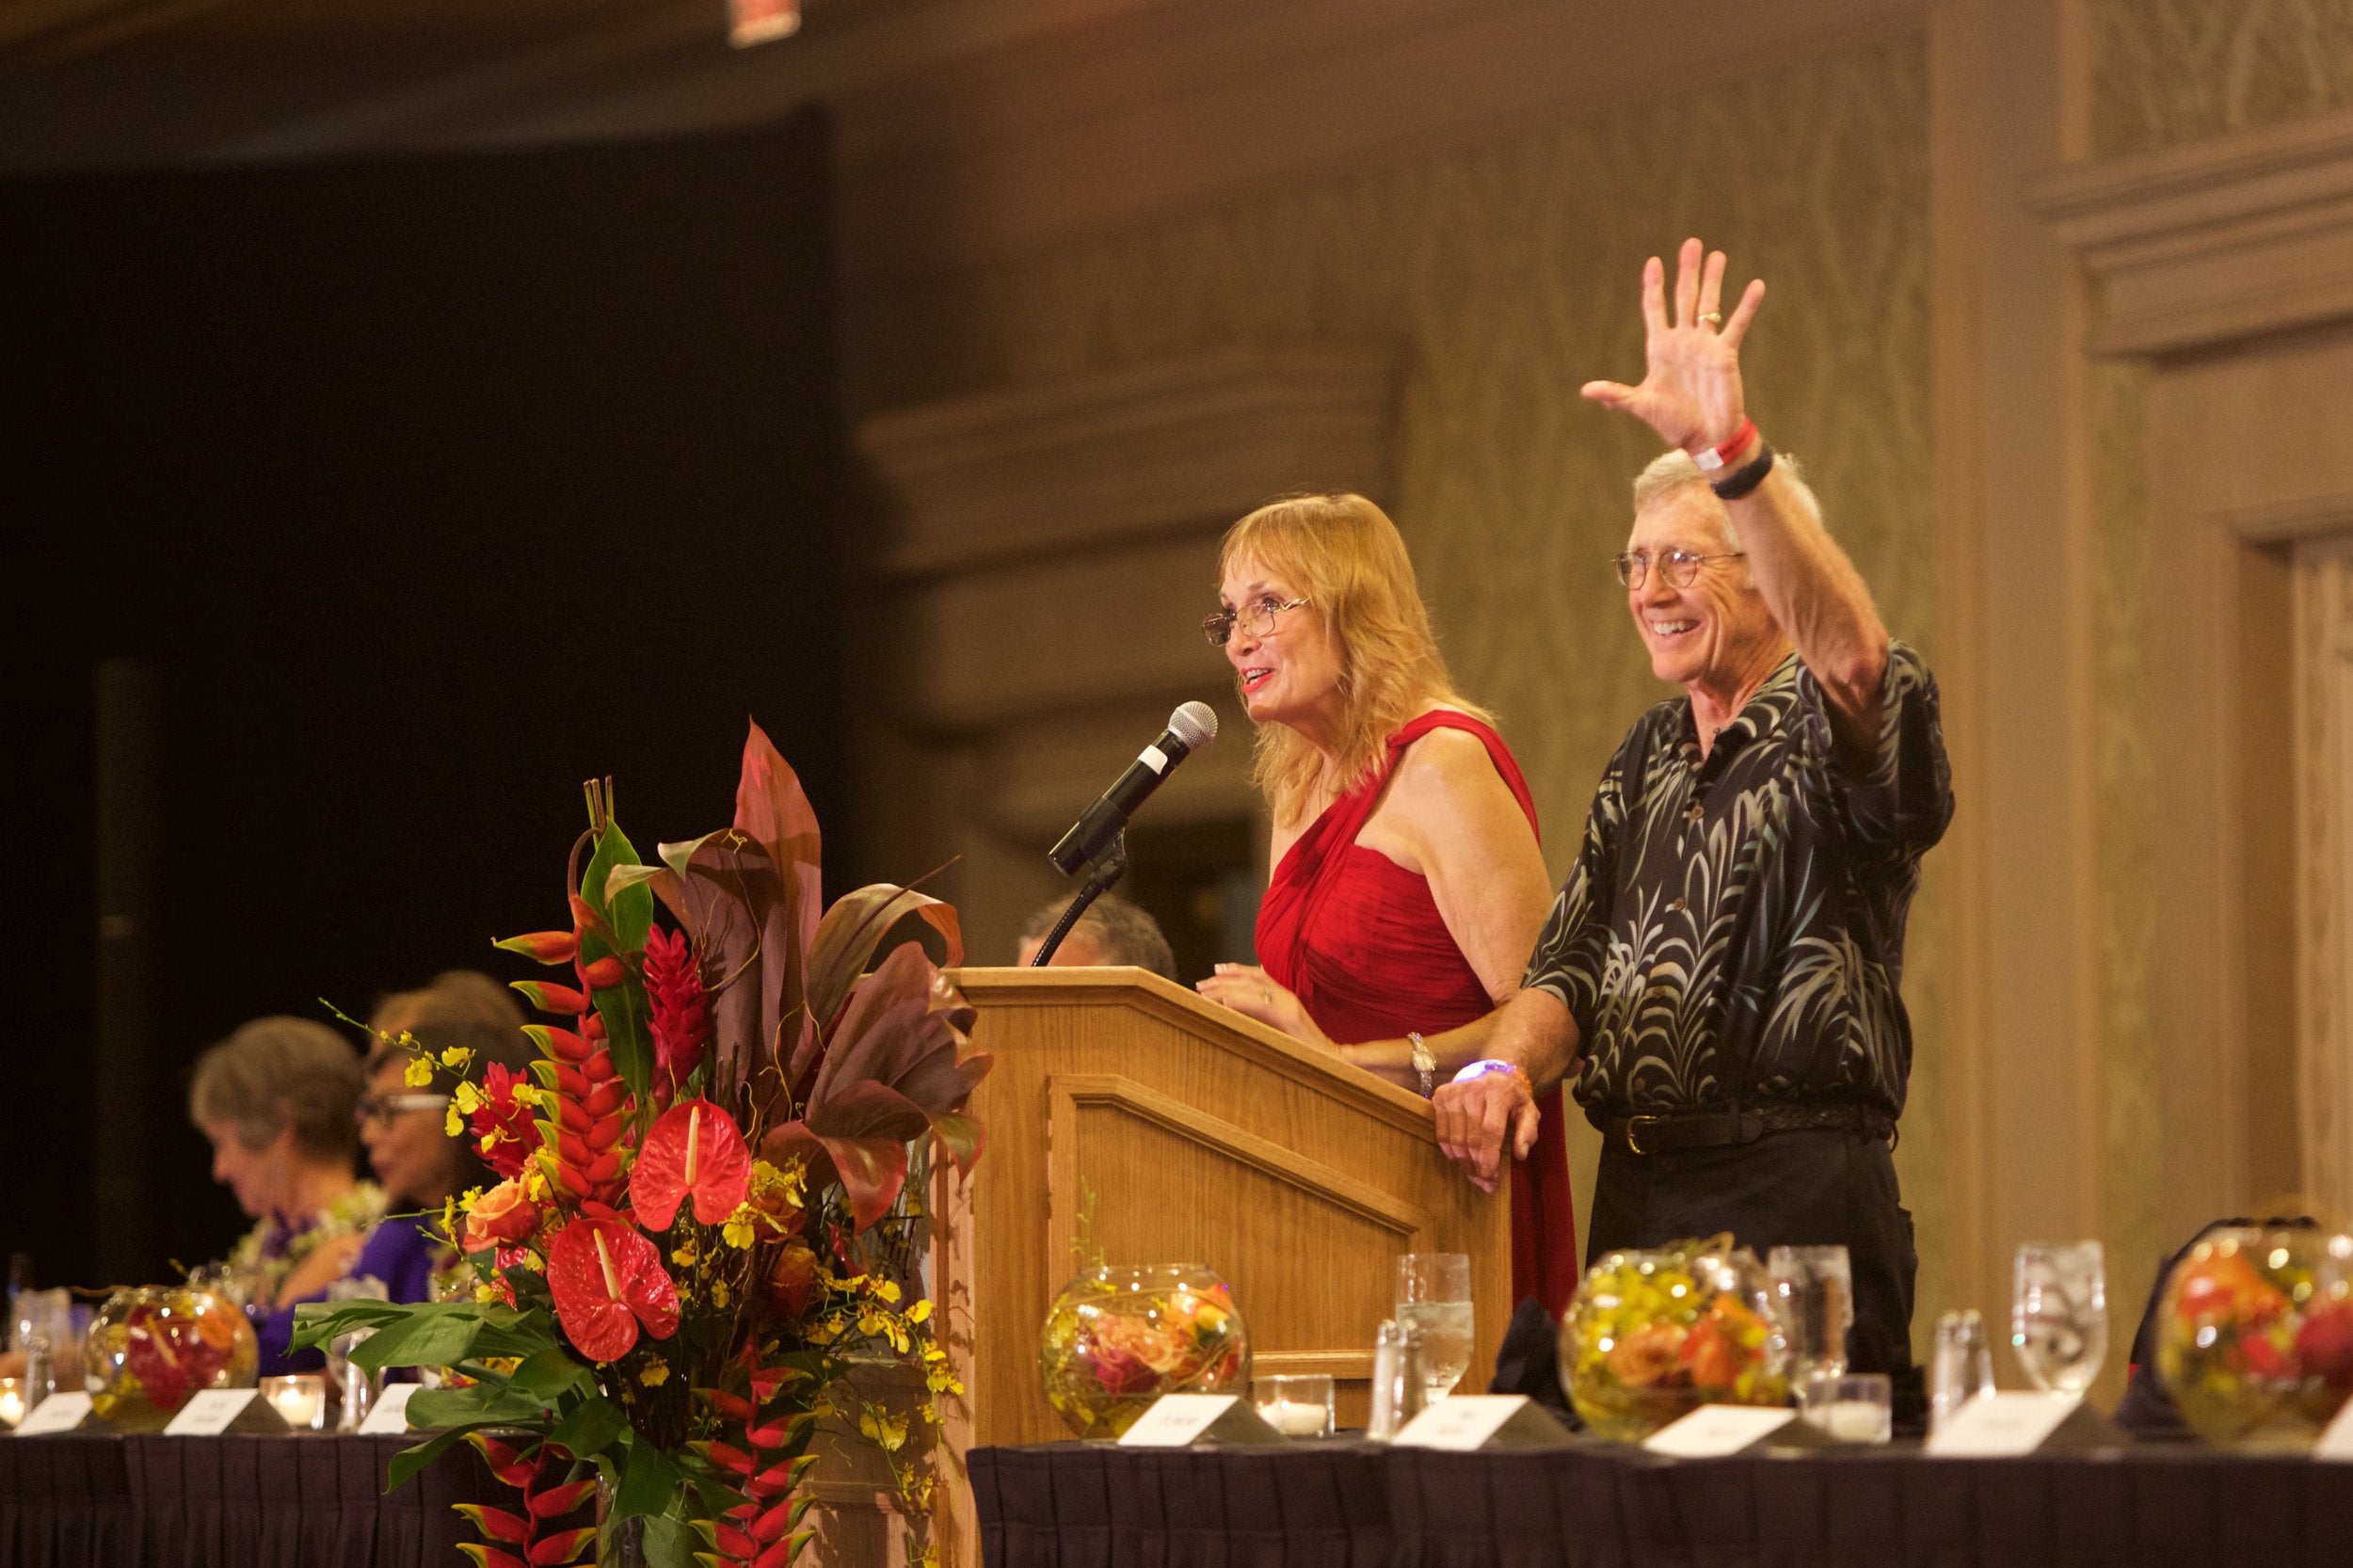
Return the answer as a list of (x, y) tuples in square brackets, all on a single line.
[(2001, 1425), (389, 1415), (1180, 1420), (213, 1411), (1466, 1423), (56, 1414), (1713, 1430), (2336, 1438)]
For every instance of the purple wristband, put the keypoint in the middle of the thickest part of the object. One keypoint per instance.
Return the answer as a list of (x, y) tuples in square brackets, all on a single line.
[(1490, 1065)]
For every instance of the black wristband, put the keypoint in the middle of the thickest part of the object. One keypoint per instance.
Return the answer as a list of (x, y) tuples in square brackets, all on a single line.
[(1731, 487)]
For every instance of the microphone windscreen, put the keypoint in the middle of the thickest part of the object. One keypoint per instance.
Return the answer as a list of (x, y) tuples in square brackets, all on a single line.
[(1195, 724)]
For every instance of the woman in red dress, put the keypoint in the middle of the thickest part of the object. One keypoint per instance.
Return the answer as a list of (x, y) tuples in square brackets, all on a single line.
[(1408, 888)]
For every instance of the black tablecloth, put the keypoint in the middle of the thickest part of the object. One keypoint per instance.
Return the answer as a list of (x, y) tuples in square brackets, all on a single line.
[(75, 1501), (1345, 1505)]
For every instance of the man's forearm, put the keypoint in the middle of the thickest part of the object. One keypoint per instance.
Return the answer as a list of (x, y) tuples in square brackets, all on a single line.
[(1534, 1032), (1814, 593)]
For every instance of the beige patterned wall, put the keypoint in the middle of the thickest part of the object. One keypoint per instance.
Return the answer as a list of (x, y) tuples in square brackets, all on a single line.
[(1507, 275), (2168, 71)]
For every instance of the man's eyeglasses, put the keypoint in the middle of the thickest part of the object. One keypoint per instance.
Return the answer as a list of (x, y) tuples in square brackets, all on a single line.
[(1255, 618), (382, 1109), (1680, 567)]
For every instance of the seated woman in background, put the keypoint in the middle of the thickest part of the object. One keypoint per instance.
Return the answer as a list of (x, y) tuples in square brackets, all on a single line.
[(418, 1164), (453, 995), (1408, 888), (276, 1100)]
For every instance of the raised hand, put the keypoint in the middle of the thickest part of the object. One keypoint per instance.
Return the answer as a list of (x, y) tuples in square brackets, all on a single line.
[(1690, 391)]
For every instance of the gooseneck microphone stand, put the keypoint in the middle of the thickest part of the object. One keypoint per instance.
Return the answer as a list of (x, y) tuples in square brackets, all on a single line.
[(1103, 871)]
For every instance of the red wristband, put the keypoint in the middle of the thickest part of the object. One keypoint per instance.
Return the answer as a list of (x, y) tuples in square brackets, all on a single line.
[(1713, 458)]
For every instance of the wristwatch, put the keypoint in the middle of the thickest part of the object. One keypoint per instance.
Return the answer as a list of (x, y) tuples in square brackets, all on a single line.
[(1425, 1064)]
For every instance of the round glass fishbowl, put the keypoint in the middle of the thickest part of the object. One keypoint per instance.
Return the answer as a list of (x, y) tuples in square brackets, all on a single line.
[(2255, 1335), (151, 1347), (1656, 1333), (1120, 1335)]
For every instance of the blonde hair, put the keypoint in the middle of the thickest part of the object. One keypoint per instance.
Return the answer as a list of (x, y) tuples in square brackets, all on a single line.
[(1674, 471), (1344, 557)]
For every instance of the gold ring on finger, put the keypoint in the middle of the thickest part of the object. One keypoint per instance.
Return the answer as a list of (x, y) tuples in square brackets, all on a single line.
[(1713, 318)]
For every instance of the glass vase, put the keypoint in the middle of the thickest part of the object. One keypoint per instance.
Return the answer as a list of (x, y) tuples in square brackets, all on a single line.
[(1656, 1333), (2255, 1335), (151, 1347), (1120, 1335)]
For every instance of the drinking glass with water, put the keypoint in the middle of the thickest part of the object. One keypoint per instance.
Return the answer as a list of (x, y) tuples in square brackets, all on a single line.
[(1434, 1294), (1813, 1289), (2058, 1322)]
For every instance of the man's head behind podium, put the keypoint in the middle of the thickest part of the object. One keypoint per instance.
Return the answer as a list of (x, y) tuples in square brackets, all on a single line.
[(1113, 931)]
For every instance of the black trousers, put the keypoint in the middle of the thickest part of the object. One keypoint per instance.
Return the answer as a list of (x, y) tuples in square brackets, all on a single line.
[(1814, 1187)]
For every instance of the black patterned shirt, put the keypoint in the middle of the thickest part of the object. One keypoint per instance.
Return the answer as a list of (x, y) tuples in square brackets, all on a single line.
[(1734, 929)]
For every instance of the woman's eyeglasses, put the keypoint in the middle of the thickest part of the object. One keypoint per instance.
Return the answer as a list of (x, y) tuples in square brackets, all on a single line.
[(382, 1109), (1255, 618), (1680, 567)]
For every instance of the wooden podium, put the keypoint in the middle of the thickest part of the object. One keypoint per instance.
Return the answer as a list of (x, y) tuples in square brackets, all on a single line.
[(1180, 1131)]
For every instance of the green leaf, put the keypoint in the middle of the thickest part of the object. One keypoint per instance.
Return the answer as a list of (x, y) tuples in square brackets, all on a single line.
[(628, 914), (669, 1542), (648, 1481), (591, 1426), (439, 1334), (316, 1323), (548, 1374), (473, 1405)]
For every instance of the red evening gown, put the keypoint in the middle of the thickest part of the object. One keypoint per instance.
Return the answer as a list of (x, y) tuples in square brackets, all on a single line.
[(1358, 939)]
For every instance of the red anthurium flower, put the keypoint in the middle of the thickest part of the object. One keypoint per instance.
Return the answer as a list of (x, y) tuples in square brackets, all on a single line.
[(692, 1149), (681, 1011), (501, 1127), (607, 1278)]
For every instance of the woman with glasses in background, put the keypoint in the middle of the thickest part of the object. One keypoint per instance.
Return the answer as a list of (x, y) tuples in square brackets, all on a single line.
[(275, 1101), (1407, 886)]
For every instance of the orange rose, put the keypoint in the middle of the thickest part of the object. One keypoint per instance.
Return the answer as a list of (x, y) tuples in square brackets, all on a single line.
[(501, 1217)]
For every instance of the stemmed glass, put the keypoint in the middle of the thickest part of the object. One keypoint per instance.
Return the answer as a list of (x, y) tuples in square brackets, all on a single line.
[(1433, 1295), (2058, 1322)]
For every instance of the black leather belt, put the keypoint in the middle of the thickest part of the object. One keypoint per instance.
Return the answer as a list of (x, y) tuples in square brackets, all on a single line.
[(1734, 1124)]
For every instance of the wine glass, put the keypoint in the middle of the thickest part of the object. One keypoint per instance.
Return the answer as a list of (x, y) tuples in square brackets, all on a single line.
[(1814, 1288), (1433, 1295), (2058, 1322)]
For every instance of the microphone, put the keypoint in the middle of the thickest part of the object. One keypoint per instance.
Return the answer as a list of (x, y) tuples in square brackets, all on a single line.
[(1192, 725)]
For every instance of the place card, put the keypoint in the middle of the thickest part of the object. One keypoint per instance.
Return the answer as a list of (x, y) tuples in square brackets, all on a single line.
[(2004, 1425), (1180, 1420), (1713, 1430), (1466, 1423), (211, 1412), (56, 1414), (2336, 1438), (389, 1415)]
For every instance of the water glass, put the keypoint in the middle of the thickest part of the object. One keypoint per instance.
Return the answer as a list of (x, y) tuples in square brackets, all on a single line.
[(1434, 1297), (1857, 1408), (1295, 1406), (1814, 1290), (356, 1388), (2058, 1322), (1964, 1367)]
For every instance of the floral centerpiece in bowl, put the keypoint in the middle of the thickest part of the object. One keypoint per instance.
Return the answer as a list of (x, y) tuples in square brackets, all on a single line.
[(1120, 1335), (691, 1248), (2255, 1335), (1657, 1333)]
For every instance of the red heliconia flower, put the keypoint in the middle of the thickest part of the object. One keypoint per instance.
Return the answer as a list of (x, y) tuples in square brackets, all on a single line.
[(694, 1147), (548, 947), (607, 1278), (681, 1010), (592, 1109), (502, 1126), (604, 973)]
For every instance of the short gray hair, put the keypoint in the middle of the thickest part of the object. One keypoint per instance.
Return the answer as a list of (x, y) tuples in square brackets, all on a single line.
[(1672, 472), (1126, 933), (281, 1072)]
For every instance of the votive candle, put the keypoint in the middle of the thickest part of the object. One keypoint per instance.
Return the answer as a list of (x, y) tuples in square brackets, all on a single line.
[(299, 1398)]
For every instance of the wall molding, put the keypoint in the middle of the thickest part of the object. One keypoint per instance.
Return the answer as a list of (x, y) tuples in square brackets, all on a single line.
[(2216, 242)]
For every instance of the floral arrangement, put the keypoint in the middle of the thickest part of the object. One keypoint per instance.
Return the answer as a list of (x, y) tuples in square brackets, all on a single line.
[(2255, 1335), (151, 1348), (1655, 1333), (700, 1228), (1121, 1336)]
